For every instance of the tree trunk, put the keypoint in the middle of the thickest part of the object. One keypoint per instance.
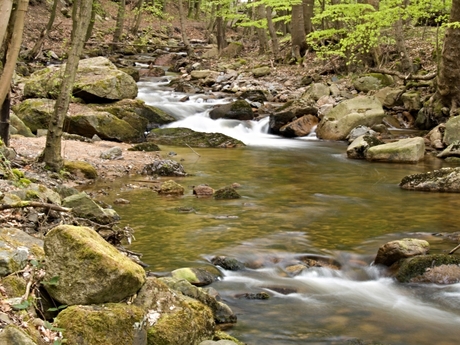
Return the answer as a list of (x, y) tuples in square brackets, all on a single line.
[(298, 41), (12, 52), (52, 153), (221, 41), (272, 31), (138, 19), (261, 33), (307, 6), (89, 31), (120, 23), (185, 39), (448, 91), (6, 7), (197, 9)]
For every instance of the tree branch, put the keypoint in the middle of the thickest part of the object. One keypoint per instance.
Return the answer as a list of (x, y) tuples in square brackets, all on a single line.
[(24, 204), (409, 76)]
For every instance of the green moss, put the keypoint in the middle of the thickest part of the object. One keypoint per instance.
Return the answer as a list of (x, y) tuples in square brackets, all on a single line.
[(14, 285), (219, 335), (418, 265), (85, 168)]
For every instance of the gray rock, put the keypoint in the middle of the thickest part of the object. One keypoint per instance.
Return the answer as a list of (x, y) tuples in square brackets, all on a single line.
[(85, 207), (409, 150), (171, 188), (316, 91), (163, 167), (434, 268), (453, 150), (13, 335), (89, 270), (358, 148), (112, 153), (394, 251), (261, 71), (452, 130), (349, 114), (442, 180), (237, 110), (390, 96), (300, 127), (359, 131)]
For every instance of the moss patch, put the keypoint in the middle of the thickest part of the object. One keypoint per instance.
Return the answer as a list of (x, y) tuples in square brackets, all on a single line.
[(417, 266), (80, 167)]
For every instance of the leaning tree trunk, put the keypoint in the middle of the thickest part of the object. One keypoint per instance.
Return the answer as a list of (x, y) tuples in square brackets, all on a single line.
[(6, 7), (137, 21), (52, 153), (12, 52), (89, 31), (44, 34), (448, 90), (272, 31)]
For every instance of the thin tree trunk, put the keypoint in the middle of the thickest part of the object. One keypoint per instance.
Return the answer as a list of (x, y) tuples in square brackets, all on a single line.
[(10, 62), (221, 42), (261, 33), (272, 31), (138, 19), (5, 120), (44, 33), (197, 9), (89, 32), (6, 7), (52, 153), (308, 15), (120, 23), (188, 47)]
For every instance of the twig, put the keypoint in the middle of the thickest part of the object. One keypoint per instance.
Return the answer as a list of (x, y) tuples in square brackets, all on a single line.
[(193, 150), (24, 204), (454, 250)]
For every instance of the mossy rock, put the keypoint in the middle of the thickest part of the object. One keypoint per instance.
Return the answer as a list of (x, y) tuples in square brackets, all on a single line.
[(171, 188), (20, 126), (35, 113), (418, 265), (198, 276), (81, 167), (15, 286), (226, 193), (187, 137), (14, 335), (147, 147), (108, 324)]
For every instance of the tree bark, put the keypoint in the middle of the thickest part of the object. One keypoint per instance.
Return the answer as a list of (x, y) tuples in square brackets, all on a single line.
[(261, 33), (52, 153), (298, 41), (120, 23), (185, 39), (12, 52), (448, 88), (89, 31), (272, 31), (221, 41), (307, 6), (44, 33), (6, 7)]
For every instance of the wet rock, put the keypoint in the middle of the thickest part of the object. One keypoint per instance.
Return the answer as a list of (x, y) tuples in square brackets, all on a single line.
[(166, 167), (453, 150), (394, 251), (409, 150), (152, 71), (121, 201), (187, 137), (171, 188), (203, 191), (300, 127), (442, 180), (254, 295), (227, 263), (238, 110), (105, 276), (226, 193), (255, 96), (319, 261), (358, 148), (435, 137), (197, 276), (420, 269)]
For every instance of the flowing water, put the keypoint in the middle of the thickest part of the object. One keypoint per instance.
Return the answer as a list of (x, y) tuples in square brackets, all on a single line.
[(299, 197)]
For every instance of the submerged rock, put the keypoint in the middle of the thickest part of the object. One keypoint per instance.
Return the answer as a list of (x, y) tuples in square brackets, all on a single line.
[(164, 167), (226, 193), (171, 188), (442, 180)]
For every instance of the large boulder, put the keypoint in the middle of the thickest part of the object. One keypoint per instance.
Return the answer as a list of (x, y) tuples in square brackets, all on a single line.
[(394, 251), (85, 269), (35, 113), (188, 137), (442, 180), (291, 111), (17, 126), (138, 114), (409, 150), (362, 110), (122, 324), (173, 319), (452, 130), (435, 268), (238, 110), (14, 335), (97, 81)]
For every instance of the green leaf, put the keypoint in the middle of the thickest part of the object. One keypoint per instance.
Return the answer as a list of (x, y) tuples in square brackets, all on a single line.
[(53, 281), (21, 306)]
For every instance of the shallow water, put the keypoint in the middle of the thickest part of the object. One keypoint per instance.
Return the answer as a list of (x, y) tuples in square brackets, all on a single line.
[(298, 197)]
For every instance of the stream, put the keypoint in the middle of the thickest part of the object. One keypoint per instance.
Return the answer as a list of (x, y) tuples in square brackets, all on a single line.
[(299, 197)]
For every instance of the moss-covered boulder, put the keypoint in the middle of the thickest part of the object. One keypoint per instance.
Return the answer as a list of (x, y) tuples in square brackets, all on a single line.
[(172, 318), (226, 193), (16, 248), (409, 150), (359, 111), (106, 126), (441, 180), (138, 114), (413, 270), (146, 147), (14, 285), (88, 269), (14, 335), (81, 168), (84, 207), (35, 113), (261, 71), (171, 187), (187, 137), (394, 251), (17, 126), (108, 324), (199, 276), (222, 312), (237, 110), (97, 81)]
